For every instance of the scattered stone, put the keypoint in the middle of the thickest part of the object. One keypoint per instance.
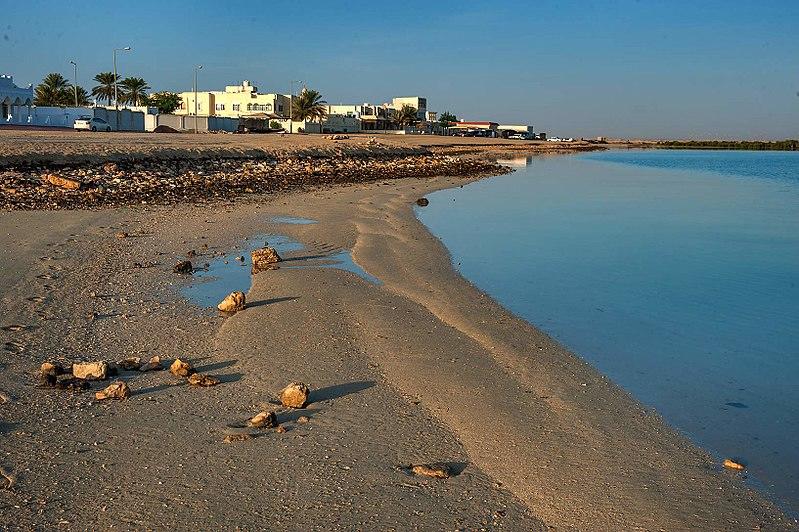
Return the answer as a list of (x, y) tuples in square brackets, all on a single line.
[(263, 419), (423, 202), (52, 369), (153, 364), (180, 368), (732, 464), (280, 429), (233, 302), (199, 379), (436, 470), (295, 395), (121, 235), (191, 254), (115, 390), (302, 420), (62, 182), (183, 266), (232, 438), (110, 168), (130, 363), (264, 259), (91, 370), (240, 258)]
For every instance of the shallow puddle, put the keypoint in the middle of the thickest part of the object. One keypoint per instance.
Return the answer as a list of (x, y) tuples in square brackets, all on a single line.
[(226, 274)]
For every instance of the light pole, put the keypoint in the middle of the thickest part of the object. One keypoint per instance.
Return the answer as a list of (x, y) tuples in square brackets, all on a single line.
[(291, 104), (196, 69), (116, 97), (75, 81)]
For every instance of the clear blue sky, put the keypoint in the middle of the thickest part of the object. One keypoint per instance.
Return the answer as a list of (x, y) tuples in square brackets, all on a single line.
[(618, 68)]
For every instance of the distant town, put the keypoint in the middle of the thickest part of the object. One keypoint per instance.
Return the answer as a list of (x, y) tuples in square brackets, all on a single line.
[(125, 104)]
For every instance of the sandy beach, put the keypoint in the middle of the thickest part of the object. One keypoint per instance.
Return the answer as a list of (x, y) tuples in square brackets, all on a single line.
[(419, 368)]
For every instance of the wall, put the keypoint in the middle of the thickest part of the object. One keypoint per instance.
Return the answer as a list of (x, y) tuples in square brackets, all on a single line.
[(122, 120), (186, 123)]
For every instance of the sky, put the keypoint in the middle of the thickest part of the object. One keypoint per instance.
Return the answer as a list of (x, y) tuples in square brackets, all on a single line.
[(630, 69)]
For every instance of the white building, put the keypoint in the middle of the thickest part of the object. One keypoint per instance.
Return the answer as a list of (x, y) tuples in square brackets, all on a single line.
[(13, 96)]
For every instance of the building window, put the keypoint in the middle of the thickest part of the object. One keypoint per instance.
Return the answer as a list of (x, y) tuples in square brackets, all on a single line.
[(219, 107), (236, 106), (249, 107)]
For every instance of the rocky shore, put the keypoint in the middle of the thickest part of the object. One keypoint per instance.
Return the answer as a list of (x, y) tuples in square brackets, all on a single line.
[(163, 182)]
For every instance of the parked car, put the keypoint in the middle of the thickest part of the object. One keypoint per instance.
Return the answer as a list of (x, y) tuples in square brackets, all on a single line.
[(89, 123), (519, 136)]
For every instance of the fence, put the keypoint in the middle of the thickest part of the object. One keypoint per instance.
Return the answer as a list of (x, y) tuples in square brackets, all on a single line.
[(65, 117), (187, 123)]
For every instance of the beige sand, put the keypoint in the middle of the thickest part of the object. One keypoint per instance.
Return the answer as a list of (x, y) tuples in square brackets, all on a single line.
[(421, 368)]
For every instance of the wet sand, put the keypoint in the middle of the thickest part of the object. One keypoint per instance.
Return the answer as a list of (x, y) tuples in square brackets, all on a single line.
[(422, 368)]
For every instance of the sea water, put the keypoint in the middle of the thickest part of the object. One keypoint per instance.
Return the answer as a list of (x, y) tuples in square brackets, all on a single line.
[(675, 273)]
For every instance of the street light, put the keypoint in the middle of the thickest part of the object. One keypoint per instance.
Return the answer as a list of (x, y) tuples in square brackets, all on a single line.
[(196, 69), (116, 100), (291, 104), (75, 84)]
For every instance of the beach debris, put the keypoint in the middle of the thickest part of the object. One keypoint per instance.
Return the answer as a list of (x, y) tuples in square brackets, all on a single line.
[(264, 259), (121, 234), (434, 470), (233, 438), (153, 364), (423, 202), (130, 363), (183, 266), (233, 302), (8, 478), (97, 370), (302, 420), (732, 464), (295, 395), (61, 182), (263, 419), (280, 429), (200, 379), (179, 368), (240, 258), (115, 390)]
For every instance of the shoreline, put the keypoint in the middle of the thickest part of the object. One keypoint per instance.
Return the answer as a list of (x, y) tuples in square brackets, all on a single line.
[(423, 368)]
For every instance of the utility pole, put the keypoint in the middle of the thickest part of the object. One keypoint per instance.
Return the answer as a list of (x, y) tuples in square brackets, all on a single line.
[(75, 81), (116, 94), (196, 69)]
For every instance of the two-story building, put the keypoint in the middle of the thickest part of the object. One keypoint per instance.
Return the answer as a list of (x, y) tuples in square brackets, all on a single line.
[(235, 101), (371, 116)]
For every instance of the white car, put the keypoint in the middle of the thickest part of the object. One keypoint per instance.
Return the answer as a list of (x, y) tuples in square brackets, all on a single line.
[(88, 123)]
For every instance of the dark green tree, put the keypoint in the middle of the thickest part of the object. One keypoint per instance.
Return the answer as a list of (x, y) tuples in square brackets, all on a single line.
[(105, 89), (166, 102), (54, 90), (133, 90), (405, 115), (447, 118), (309, 105)]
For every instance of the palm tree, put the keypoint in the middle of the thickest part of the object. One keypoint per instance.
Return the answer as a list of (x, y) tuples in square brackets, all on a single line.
[(309, 105), (405, 115), (54, 90), (83, 97), (105, 89), (133, 90)]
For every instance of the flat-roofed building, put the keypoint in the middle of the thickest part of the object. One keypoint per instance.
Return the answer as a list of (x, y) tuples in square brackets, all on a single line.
[(235, 101), (13, 96), (371, 116), (516, 128), (417, 102)]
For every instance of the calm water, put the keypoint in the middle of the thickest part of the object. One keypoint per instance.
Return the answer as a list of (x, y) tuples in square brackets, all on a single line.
[(676, 273)]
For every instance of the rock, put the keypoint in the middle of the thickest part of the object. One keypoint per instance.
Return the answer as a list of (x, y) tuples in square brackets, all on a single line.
[(232, 438), (62, 182), (295, 395), (732, 464), (302, 420), (263, 419), (110, 168), (264, 258), (280, 429), (240, 258), (115, 390), (198, 379), (180, 368), (183, 266), (232, 303), (437, 470), (53, 369), (130, 363), (121, 234), (423, 202), (153, 364), (91, 370)]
